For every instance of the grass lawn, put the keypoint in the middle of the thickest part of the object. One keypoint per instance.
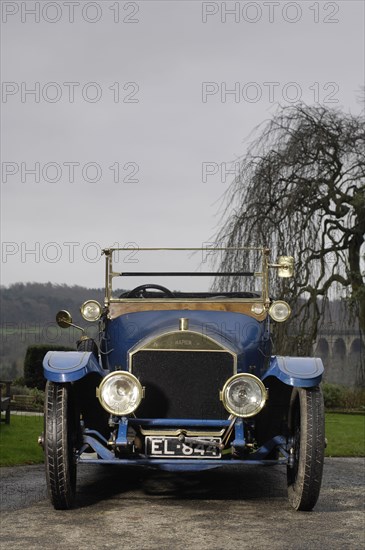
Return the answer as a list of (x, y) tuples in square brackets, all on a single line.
[(345, 434), (18, 440)]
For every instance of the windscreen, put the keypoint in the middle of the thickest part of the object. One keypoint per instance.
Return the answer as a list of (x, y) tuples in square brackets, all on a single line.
[(207, 270)]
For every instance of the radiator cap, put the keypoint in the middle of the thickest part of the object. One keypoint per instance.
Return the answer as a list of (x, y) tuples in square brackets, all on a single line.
[(183, 323)]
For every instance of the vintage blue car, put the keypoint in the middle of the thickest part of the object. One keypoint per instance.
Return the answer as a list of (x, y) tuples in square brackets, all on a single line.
[(184, 381)]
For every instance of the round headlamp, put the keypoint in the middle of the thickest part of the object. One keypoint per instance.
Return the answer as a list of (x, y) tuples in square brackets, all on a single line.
[(257, 309), (244, 395), (279, 311), (120, 393), (91, 310)]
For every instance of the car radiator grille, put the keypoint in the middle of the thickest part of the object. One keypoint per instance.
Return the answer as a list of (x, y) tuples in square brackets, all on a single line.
[(182, 384)]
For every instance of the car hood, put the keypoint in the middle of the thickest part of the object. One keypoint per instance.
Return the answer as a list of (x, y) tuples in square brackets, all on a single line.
[(238, 333)]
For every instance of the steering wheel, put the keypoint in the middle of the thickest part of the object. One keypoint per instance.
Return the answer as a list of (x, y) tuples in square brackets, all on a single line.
[(139, 291)]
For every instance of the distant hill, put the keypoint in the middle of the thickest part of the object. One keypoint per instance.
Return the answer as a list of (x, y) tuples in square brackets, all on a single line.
[(27, 316), (28, 311), (36, 302)]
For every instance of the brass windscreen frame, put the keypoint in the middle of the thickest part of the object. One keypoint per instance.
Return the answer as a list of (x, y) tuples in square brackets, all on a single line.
[(110, 274)]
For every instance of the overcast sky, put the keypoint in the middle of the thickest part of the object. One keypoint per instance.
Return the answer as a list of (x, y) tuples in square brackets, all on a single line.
[(120, 120)]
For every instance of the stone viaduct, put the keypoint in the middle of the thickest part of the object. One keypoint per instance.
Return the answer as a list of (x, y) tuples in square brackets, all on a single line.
[(342, 352)]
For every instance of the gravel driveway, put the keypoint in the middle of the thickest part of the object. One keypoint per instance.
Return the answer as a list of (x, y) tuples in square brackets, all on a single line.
[(217, 509)]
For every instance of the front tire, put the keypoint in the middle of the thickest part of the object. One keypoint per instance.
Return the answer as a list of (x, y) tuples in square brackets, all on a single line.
[(306, 428), (88, 344), (61, 427)]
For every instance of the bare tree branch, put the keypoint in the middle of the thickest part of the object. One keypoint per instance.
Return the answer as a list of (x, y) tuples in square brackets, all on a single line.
[(301, 191)]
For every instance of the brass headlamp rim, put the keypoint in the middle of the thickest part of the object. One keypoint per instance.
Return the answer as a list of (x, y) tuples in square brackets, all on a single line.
[(244, 375), (91, 302), (120, 374), (275, 303)]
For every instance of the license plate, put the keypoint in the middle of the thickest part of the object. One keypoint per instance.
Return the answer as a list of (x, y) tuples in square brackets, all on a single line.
[(171, 447)]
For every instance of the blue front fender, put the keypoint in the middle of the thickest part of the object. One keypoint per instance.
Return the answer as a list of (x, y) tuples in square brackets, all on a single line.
[(69, 366), (303, 372)]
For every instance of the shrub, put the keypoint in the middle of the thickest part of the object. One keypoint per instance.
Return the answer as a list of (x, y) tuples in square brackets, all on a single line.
[(341, 397), (354, 399), (333, 396), (38, 395), (18, 381)]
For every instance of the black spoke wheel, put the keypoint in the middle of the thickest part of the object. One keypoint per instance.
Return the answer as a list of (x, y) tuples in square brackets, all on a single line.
[(61, 440), (306, 426)]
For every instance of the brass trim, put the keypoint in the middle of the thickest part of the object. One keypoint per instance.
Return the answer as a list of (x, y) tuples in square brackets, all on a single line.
[(64, 319), (273, 306), (285, 265), (183, 323), (116, 374), (216, 347), (245, 375), (242, 305), (180, 431), (188, 349), (128, 249), (91, 302), (188, 341), (109, 274)]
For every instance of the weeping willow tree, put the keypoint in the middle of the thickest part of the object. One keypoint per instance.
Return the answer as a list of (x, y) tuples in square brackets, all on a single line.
[(301, 191)]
